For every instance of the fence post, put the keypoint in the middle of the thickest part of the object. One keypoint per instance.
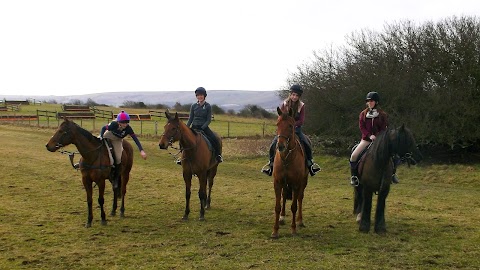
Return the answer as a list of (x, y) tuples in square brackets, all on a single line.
[(141, 127), (228, 129), (263, 130), (156, 126)]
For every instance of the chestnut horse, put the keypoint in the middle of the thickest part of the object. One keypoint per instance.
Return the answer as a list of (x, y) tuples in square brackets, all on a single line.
[(197, 160), (95, 164), (375, 174), (289, 171)]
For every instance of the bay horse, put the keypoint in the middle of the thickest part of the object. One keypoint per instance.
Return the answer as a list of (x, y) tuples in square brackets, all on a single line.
[(95, 164), (197, 159), (375, 173), (290, 175)]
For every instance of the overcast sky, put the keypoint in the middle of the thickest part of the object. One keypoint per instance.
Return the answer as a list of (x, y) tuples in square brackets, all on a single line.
[(70, 47)]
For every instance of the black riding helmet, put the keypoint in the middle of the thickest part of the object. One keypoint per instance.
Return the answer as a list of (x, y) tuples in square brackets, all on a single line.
[(201, 91), (373, 96), (296, 88)]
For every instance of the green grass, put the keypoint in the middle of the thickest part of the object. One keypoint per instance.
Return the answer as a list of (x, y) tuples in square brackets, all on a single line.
[(433, 218)]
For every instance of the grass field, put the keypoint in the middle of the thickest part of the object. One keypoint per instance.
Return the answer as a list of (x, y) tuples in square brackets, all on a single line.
[(433, 215)]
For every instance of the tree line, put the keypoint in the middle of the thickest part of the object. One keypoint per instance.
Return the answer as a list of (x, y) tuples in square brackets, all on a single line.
[(427, 75)]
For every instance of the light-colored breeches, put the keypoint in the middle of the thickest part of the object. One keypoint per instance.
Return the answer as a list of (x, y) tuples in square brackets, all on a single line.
[(117, 145), (362, 145)]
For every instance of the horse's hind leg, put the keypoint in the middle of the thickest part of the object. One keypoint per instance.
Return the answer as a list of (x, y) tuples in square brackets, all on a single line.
[(202, 195), (300, 211), (294, 209), (114, 203), (380, 226), (211, 176), (278, 196)]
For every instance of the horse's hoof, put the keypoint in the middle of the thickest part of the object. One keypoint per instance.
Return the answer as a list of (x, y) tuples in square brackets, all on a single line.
[(88, 225), (281, 220), (185, 218), (201, 219), (122, 215), (113, 213), (104, 222), (364, 229), (207, 206), (301, 225), (381, 231), (274, 236)]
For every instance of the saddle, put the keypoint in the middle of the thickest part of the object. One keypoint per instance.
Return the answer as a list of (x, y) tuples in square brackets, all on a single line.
[(361, 157), (109, 146), (209, 144)]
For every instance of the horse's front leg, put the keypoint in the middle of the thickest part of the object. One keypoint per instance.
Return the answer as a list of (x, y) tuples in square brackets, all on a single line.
[(278, 196), (282, 212), (211, 175), (366, 210), (380, 226), (202, 194), (87, 184), (187, 177), (101, 200), (358, 202)]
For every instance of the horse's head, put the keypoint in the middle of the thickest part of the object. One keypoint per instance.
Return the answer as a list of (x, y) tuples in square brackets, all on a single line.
[(285, 129), (171, 131), (62, 137), (406, 147)]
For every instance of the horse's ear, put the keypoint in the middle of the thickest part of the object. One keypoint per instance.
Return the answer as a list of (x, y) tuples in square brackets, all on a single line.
[(402, 128), (167, 114), (279, 111), (176, 115)]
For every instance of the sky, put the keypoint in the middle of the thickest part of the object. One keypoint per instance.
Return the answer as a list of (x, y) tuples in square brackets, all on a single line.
[(67, 47)]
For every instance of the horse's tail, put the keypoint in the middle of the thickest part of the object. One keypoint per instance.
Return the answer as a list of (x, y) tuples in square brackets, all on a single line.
[(287, 192)]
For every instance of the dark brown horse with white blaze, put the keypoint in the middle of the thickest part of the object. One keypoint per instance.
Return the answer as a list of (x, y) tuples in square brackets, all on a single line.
[(290, 175), (197, 159), (95, 164), (375, 174)]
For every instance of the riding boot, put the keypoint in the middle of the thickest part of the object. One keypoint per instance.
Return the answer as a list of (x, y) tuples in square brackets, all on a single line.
[(396, 162), (268, 168), (313, 167), (116, 177), (354, 172)]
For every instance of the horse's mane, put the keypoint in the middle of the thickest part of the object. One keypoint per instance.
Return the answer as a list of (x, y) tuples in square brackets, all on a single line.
[(87, 134), (380, 148)]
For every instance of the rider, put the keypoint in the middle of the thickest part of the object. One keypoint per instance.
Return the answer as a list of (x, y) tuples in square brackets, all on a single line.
[(116, 131), (200, 117), (372, 121), (293, 101)]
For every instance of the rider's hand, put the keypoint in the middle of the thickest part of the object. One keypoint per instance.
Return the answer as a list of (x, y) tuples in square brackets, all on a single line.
[(372, 137), (143, 154)]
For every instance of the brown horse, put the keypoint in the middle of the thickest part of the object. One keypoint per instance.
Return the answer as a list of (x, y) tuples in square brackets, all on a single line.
[(95, 164), (197, 159), (290, 175), (375, 174)]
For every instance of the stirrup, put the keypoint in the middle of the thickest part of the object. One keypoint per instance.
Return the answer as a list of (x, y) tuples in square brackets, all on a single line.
[(314, 169), (76, 166), (178, 161), (219, 158), (354, 181), (267, 169), (395, 179)]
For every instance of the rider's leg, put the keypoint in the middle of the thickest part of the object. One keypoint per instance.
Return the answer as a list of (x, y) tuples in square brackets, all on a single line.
[(313, 168), (396, 162), (268, 168), (354, 160)]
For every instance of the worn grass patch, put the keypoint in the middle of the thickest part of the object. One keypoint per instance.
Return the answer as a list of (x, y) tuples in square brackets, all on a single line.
[(433, 218)]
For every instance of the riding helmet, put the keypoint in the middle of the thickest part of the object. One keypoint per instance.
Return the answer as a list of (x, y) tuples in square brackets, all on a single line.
[(374, 96), (123, 117), (201, 91), (296, 88)]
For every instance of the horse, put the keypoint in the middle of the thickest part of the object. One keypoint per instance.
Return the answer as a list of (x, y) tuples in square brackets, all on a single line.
[(197, 159), (290, 175), (375, 171), (95, 164)]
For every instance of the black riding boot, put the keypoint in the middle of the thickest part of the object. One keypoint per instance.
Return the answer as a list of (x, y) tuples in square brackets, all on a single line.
[(396, 162), (116, 176), (268, 168), (354, 172), (313, 167)]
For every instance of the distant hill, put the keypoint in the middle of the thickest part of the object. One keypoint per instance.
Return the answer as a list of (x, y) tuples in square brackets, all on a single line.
[(226, 99)]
